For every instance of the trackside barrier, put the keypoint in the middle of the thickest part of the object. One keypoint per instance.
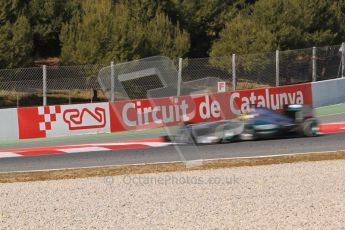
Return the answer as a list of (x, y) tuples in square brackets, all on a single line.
[(328, 92), (8, 124), (66, 120)]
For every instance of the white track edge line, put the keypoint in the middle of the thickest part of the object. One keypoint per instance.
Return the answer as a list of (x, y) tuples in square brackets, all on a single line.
[(9, 155), (329, 115), (172, 162), (334, 123), (93, 167)]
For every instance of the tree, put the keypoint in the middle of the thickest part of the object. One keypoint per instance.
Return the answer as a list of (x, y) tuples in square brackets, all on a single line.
[(92, 31), (46, 18), (299, 24), (104, 32), (279, 24), (165, 38), (291, 24), (15, 43), (203, 20), (83, 35), (243, 36), (11, 9), (37, 21)]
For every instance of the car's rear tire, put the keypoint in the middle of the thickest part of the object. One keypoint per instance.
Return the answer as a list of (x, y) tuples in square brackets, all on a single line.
[(310, 127)]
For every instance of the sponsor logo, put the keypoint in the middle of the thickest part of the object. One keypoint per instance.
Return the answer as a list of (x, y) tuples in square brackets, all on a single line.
[(76, 119), (49, 114), (51, 121)]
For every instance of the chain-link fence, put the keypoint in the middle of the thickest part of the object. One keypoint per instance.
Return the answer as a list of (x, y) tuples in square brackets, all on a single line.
[(73, 84), (58, 84), (135, 79), (160, 76)]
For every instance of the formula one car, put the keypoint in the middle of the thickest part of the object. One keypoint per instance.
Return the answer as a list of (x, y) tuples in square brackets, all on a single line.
[(259, 123)]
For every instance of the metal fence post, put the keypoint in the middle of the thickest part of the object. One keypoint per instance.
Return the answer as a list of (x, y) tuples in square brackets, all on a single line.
[(342, 59), (179, 76), (277, 67), (112, 81), (44, 85), (314, 64), (17, 100), (233, 71)]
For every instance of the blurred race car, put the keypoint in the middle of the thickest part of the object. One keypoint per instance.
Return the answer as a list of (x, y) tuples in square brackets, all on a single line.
[(259, 123)]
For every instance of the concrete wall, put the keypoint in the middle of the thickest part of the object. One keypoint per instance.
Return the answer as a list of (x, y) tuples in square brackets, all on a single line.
[(328, 92), (8, 124)]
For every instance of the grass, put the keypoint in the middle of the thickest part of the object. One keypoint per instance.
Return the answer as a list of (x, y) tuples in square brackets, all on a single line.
[(331, 109), (12, 99)]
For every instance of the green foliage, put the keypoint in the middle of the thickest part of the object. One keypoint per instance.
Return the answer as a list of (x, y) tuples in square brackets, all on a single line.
[(15, 43), (285, 24), (37, 35), (204, 20), (83, 35), (10, 10), (46, 18), (298, 24), (91, 31), (242, 36), (166, 39), (105, 32), (278, 24)]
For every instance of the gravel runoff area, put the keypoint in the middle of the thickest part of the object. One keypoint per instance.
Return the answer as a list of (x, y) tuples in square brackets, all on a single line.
[(308, 195)]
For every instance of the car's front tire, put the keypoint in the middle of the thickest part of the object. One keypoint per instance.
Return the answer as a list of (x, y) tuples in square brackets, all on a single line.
[(310, 127)]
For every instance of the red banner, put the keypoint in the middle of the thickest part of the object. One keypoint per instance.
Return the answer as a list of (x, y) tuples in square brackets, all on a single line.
[(158, 112)]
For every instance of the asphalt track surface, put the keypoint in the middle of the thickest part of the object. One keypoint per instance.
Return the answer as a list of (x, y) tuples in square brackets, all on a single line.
[(331, 142)]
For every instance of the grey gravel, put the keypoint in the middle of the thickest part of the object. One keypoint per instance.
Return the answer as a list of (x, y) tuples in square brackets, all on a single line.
[(289, 196)]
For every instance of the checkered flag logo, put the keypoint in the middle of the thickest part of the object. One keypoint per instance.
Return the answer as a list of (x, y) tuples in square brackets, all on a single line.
[(49, 114)]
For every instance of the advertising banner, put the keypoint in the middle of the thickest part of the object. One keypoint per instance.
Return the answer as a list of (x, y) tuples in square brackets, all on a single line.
[(158, 112), (63, 120)]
